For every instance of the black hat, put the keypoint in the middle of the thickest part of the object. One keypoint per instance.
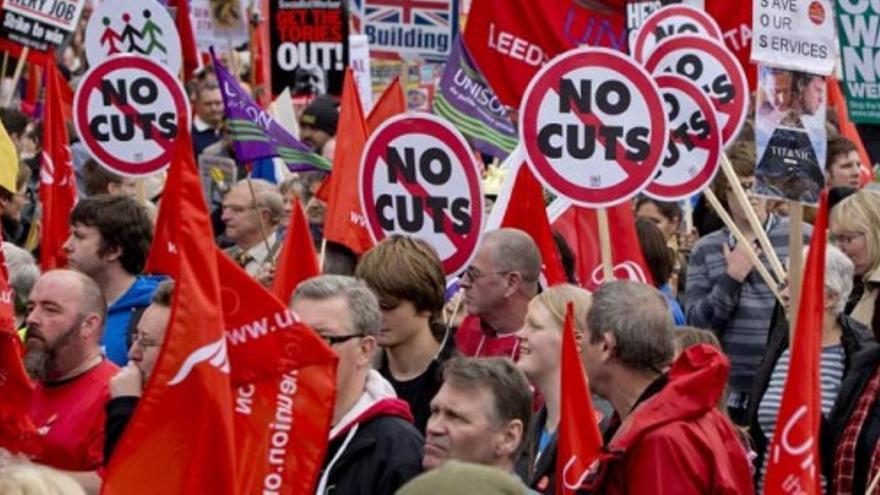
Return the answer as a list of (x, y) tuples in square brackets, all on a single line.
[(322, 113)]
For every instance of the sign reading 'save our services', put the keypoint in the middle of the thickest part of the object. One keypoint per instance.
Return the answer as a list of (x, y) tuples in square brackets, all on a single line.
[(128, 110), (418, 178), (40, 24), (794, 34), (593, 126)]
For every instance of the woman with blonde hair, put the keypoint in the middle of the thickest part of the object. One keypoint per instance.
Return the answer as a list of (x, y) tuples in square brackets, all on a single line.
[(855, 229), (540, 351)]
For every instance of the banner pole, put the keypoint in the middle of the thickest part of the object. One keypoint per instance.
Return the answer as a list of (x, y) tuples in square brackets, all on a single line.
[(754, 222), (323, 254), (795, 261), (688, 214), (605, 244), (5, 65), (262, 224), (741, 240), (19, 67)]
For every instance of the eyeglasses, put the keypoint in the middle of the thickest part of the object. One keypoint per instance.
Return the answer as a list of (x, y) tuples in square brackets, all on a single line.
[(339, 339), (237, 208), (143, 344), (474, 274), (848, 238)]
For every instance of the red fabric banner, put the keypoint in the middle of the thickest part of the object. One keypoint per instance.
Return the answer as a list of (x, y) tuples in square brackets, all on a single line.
[(510, 40), (57, 183), (580, 228), (580, 441), (297, 260), (793, 464), (735, 21), (185, 414)]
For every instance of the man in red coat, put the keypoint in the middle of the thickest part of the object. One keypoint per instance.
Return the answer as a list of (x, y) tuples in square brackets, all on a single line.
[(667, 435)]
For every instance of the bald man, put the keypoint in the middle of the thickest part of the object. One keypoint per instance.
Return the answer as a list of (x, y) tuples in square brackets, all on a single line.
[(66, 311), (498, 286)]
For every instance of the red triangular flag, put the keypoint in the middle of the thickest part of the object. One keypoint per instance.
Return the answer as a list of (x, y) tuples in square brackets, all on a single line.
[(57, 183), (297, 260), (391, 103), (344, 222), (188, 47), (524, 210), (580, 229), (185, 414), (579, 441), (793, 456), (163, 251), (277, 361), (848, 129), (17, 431)]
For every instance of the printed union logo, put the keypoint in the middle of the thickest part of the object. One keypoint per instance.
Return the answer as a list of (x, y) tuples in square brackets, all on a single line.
[(817, 13), (214, 353)]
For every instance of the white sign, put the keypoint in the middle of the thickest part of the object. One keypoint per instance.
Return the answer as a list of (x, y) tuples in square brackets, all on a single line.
[(143, 27), (359, 61), (794, 34)]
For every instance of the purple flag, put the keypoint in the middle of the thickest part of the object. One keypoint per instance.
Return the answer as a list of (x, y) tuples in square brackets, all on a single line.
[(255, 134), (465, 99)]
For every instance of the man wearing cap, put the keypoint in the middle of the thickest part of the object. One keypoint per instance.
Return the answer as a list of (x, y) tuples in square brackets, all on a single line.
[(318, 122)]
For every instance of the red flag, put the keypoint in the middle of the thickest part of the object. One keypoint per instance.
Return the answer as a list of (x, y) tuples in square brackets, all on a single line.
[(297, 260), (17, 432), (735, 21), (848, 129), (344, 222), (580, 229), (521, 207), (163, 250), (185, 415), (261, 79), (579, 440), (510, 40), (57, 183), (286, 379), (188, 47), (793, 457), (391, 103)]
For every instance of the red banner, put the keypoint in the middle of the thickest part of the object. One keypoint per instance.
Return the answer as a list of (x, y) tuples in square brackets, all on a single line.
[(510, 40), (735, 21)]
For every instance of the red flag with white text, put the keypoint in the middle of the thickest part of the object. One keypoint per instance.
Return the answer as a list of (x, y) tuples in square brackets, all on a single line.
[(510, 40), (185, 414), (793, 455), (580, 229), (284, 376), (57, 183), (579, 442)]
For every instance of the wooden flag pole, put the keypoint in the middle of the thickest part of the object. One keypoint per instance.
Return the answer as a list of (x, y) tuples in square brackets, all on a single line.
[(19, 68), (742, 241), (323, 254), (795, 262), (754, 222), (5, 65), (872, 488), (688, 214), (605, 244), (265, 232)]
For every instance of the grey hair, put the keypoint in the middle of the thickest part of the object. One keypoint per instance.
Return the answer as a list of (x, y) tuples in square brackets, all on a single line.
[(514, 251), (267, 196), (362, 303), (23, 269), (839, 273), (638, 317)]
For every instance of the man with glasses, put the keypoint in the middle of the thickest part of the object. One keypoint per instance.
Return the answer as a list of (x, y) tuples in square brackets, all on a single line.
[(251, 213), (498, 286), (373, 446), (724, 293)]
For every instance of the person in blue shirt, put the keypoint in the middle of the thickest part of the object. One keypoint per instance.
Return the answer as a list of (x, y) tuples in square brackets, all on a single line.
[(109, 241)]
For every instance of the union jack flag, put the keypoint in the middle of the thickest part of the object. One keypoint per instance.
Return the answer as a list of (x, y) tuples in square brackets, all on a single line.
[(437, 13)]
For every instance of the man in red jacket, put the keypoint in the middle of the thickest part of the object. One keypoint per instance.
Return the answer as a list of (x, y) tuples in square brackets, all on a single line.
[(667, 435)]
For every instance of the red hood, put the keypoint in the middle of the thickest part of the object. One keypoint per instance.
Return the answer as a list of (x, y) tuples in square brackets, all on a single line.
[(696, 381)]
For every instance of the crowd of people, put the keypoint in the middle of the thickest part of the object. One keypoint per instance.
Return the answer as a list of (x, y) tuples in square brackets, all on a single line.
[(440, 390)]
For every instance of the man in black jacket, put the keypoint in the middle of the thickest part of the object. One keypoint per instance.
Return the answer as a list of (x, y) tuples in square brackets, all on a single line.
[(374, 447)]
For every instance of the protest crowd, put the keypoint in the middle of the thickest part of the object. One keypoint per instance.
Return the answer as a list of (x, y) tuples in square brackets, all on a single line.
[(449, 246)]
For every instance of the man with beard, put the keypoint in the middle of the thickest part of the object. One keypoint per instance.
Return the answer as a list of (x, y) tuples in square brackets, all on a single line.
[(317, 124), (66, 311)]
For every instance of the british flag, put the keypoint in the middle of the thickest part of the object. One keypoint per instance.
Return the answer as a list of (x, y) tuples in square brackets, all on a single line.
[(437, 13)]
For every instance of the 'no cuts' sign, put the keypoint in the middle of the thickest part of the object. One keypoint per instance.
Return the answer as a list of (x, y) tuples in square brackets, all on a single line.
[(691, 159), (418, 178), (593, 126), (127, 111), (672, 20), (714, 70)]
